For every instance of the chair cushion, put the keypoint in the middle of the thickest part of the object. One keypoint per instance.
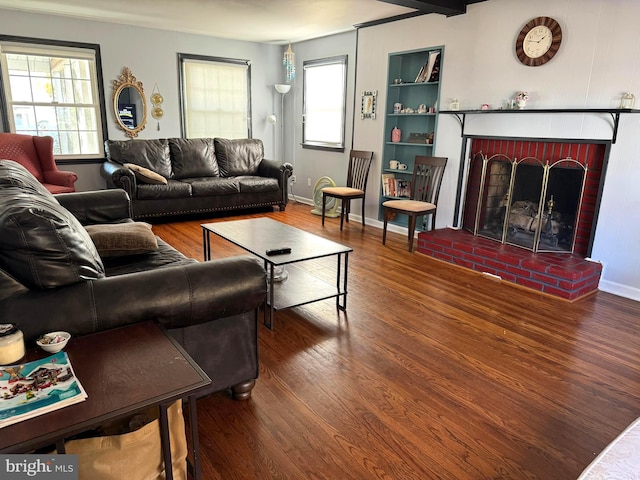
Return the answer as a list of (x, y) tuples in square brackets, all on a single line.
[(239, 156), (116, 239), (193, 157), (145, 175), (42, 245), (343, 191), (409, 205)]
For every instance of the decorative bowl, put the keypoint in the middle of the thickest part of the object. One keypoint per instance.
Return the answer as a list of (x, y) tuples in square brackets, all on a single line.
[(53, 342)]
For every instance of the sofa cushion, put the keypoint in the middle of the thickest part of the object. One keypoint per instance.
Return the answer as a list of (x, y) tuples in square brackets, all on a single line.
[(145, 175), (117, 239), (42, 245), (257, 184), (151, 154), (193, 157), (173, 189), (205, 187), (239, 156)]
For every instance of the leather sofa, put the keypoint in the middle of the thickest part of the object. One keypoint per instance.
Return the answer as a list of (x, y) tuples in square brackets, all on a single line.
[(176, 176), (53, 276)]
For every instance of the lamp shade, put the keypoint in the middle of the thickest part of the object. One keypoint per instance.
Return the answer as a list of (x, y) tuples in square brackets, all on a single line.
[(282, 87)]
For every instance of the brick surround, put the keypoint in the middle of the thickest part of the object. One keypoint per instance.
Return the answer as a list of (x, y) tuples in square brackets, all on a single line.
[(562, 275)]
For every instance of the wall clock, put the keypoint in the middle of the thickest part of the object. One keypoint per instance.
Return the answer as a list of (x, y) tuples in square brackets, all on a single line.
[(538, 41)]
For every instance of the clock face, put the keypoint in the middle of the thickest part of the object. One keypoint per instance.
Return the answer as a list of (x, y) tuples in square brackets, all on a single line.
[(538, 41)]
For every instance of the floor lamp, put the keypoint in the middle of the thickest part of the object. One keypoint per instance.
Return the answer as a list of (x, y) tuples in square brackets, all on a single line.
[(282, 89)]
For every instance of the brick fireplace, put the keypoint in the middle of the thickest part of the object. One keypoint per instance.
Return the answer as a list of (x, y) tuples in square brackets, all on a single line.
[(566, 273)]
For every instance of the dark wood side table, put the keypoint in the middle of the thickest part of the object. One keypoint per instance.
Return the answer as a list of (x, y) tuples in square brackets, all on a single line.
[(123, 370)]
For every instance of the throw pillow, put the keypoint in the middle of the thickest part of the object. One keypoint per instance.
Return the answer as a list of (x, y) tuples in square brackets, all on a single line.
[(117, 239), (145, 175)]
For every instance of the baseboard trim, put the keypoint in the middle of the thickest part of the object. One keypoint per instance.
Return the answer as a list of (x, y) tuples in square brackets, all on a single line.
[(625, 291)]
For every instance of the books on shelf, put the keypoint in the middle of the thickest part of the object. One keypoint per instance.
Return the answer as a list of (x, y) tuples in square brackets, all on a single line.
[(395, 187), (430, 71), (35, 388)]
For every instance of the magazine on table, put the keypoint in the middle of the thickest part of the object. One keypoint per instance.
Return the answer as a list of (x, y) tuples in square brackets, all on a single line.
[(34, 388)]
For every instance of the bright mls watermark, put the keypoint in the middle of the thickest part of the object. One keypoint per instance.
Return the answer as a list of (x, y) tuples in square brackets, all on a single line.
[(50, 467)]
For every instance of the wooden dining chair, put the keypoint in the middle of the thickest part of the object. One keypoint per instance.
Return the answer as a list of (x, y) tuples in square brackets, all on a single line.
[(357, 179), (425, 189)]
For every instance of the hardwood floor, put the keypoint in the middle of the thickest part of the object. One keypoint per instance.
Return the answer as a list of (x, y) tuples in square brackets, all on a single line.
[(433, 372)]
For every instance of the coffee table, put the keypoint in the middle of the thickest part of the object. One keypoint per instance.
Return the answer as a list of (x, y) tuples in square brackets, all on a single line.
[(123, 371), (257, 235)]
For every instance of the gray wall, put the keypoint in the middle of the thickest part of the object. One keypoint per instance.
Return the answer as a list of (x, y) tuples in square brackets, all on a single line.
[(151, 55)]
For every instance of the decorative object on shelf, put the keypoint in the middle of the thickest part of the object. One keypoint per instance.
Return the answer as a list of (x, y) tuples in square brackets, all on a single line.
[(402, 166), (538, 41), (485, 106), (156, 100), (397, 81), (368, 108), (396, 135), (454, 104), (628, 100), (522, 98), (393, 164), (288, 60), (397, 107), (422, 108), (418, 138), (430, 71)]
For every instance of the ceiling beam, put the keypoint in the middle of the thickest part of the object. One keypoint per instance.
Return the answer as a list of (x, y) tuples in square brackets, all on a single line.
[(444, 7)]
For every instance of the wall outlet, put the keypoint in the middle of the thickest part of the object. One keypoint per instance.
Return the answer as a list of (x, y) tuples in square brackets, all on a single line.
[(292, 179), (308, 182)]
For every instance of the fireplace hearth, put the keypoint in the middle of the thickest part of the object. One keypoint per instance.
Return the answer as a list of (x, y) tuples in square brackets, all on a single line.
[(529, 214)]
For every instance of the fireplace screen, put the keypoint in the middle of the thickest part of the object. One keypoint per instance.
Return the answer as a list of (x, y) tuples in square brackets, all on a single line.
[(526, 202)]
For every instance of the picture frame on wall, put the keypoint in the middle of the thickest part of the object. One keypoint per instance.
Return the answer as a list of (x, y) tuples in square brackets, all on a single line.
[(368, 107)]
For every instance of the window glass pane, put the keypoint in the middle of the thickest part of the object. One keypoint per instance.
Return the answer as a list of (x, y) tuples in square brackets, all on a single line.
[(50, 93), (324, 102), (215, 98)]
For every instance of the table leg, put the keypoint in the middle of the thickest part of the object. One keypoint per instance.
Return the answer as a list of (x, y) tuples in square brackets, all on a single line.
[(342, 306), (195, 445), (268, 305), (166, 442), (206, 244)]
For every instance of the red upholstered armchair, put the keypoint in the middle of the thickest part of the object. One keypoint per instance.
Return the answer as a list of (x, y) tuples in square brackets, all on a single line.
[(36, 155)]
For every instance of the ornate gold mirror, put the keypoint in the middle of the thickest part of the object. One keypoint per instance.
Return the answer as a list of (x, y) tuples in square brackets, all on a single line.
[(129, 104)]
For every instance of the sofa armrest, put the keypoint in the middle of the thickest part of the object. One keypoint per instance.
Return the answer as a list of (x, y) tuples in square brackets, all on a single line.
[(281, 171), (118, 176), (98, 206), (175, 297)]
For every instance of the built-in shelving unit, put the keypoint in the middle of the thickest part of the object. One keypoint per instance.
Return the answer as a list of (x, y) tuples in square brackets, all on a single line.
[(413, 80)]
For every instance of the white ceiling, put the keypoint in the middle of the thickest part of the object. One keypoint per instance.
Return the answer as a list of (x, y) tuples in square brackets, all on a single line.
[(268, 21)]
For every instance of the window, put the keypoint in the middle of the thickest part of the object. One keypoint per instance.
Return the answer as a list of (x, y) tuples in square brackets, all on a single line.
[(54, 90), (215, 97), (324, 91)]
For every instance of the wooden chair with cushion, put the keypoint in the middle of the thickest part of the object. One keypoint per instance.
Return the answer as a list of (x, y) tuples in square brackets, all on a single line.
[(425, 189), (357, 177), (36, 155)]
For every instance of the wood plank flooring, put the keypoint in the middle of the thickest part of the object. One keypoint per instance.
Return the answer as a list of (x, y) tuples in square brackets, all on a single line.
[(434, 372)]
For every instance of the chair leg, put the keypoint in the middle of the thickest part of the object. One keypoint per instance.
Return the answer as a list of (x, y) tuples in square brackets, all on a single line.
[(324, 197), (347, 210), (342, 214), (433, 221), (362, 200), (412, 230), (385, 217)]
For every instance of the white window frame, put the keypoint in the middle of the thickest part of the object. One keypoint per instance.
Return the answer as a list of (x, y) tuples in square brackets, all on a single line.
[(221, 107), (66, 50), (324, 103)]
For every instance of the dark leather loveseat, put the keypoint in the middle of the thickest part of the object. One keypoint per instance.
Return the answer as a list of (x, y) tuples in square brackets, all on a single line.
[(176, 176), (56, 275)]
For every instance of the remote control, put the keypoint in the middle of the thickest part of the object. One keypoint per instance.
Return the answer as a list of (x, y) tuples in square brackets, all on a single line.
[(278, 251)]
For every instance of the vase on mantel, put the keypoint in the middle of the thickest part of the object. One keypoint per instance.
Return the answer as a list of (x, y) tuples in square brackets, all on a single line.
[(521, 103)]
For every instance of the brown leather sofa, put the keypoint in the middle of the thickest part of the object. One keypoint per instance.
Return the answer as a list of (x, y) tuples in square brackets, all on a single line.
[(53, 277), (176, 176)]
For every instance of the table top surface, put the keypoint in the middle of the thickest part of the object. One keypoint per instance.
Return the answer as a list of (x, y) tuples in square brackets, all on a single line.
[(122, 371), (257, 235)]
